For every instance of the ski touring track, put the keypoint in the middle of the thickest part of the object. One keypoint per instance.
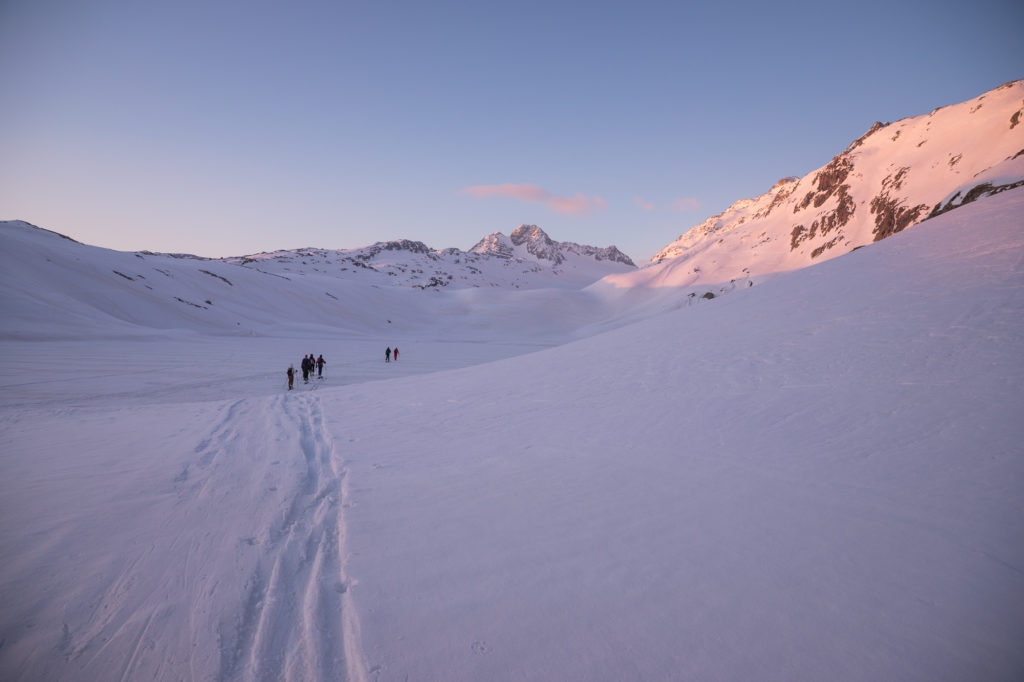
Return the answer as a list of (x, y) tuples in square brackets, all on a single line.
[(296, 621), (232, 570)]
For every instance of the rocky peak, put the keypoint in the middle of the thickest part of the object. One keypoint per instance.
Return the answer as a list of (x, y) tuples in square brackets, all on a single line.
[(538, 244), (531, 234), (495, 244)]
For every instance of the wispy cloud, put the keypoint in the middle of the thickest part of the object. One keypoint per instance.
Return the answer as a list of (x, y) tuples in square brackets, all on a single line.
[(643, 203), (688, 204), (577, 205)]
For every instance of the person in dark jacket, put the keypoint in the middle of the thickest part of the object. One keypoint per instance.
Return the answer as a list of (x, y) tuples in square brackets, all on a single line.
[(291, 376), (320, 362), (387, 355)]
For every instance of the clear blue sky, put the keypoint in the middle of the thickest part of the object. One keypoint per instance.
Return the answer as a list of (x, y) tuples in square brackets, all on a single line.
[(223, 128)]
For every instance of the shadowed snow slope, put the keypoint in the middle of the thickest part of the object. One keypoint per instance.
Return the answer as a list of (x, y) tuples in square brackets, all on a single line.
[(815, 478)]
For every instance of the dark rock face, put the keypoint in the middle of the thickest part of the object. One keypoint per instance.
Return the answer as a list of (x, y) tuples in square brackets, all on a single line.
[(831, 181), (891, 216), (985, 189)]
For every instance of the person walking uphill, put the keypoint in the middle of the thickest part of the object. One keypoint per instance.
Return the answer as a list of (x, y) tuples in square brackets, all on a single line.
[(305, 369), (320, 362), (395, 353), (387, 355), (291, 376)]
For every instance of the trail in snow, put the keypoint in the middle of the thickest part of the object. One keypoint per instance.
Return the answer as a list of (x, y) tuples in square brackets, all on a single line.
[(296, 623), (222, 559)]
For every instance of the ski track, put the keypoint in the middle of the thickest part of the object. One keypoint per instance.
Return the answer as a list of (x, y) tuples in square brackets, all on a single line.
[(272, 606), (297, 622)]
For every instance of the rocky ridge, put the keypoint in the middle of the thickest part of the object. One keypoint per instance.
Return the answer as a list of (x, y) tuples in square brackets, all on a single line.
[(526, 259), (536, 243), (891, 178)]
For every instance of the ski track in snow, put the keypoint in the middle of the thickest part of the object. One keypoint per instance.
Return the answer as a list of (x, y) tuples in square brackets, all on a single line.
[(296, 612), (231, 569)]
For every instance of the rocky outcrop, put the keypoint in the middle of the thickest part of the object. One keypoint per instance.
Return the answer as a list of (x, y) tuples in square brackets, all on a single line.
[(535, 242), (890, 178)]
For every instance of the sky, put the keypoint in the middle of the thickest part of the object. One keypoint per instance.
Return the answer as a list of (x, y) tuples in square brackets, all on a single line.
[(231, 127)]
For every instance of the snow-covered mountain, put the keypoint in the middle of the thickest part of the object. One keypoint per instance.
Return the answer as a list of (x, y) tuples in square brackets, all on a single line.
[(395, 285), (529, 242), (892, 177), (527, 260)]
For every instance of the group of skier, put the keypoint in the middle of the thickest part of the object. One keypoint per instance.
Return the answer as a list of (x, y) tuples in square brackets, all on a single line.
[(315, 364), (310, 364)]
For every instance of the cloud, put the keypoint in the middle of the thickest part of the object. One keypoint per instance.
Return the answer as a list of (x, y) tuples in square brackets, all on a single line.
[(577, 205), (688, 204), (642, 203)]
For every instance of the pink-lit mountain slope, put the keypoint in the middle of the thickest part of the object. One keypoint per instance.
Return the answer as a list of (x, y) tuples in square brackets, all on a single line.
[(891, 178)]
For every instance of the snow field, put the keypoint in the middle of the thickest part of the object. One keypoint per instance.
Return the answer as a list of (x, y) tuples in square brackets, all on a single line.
[(832, 496), (816, 478)]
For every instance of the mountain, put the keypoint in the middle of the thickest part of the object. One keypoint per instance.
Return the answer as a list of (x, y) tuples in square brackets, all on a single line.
[(529, 242), (529, 259), (94, 291), (891, 178)]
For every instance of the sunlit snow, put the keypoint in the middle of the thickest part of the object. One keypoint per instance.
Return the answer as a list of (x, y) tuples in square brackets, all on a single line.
[(817, 477)]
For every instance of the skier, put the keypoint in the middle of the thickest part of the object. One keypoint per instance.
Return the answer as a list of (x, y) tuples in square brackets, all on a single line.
[(291, 376), (387, 355), (305, 369), (320, 362), (395, 353)]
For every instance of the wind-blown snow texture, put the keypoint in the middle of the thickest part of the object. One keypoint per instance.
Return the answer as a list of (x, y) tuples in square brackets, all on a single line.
[(817, 477)]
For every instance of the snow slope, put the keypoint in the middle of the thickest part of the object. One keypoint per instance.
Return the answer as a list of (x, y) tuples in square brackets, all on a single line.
[(381, 292), (818, 477), (891, 178)]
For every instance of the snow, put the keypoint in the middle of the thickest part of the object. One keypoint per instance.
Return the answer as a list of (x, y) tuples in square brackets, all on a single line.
[(906, 167), (816, 477)]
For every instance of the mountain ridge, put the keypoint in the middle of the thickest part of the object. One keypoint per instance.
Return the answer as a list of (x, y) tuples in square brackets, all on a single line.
[(535, 242), (890, 178)]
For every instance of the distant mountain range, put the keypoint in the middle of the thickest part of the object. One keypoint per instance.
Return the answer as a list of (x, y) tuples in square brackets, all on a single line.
[(528, 258), (891, 178)]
